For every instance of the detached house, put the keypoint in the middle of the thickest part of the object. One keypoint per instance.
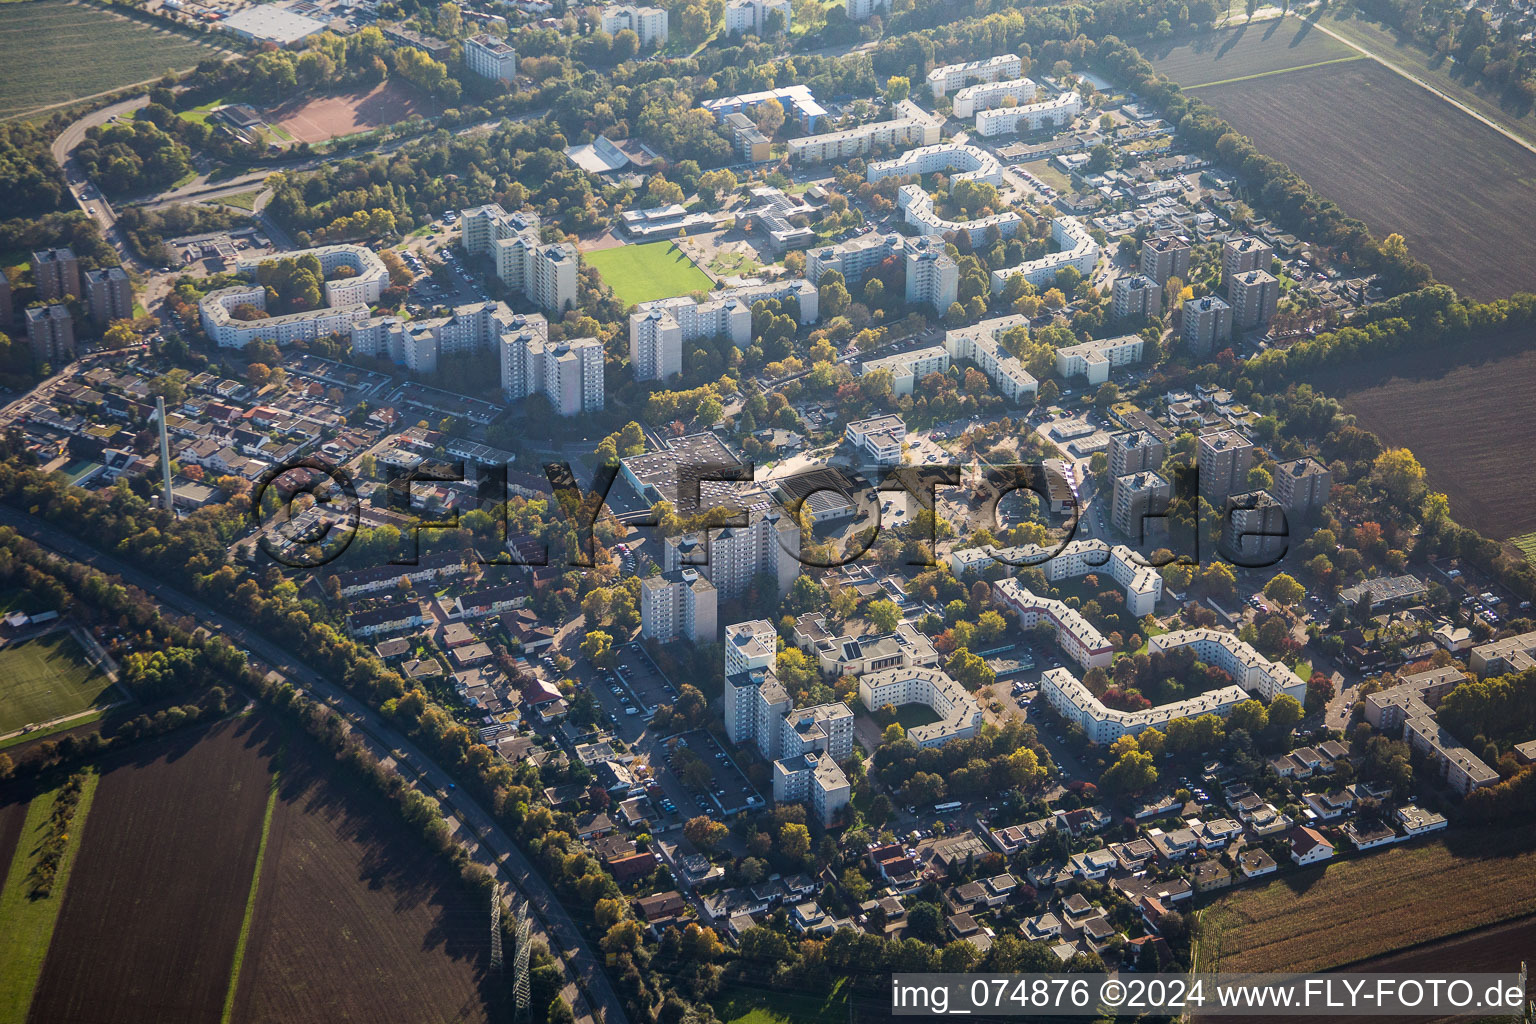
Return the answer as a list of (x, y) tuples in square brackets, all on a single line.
[(1308, 846)]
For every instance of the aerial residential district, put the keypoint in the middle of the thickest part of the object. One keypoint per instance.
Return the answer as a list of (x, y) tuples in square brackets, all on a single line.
[(527, 510)]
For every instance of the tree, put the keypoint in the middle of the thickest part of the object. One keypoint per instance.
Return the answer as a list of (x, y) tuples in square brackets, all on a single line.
[(1284, 590), (705, 833), (1133, 772), (897, 88), (1285, 713), (794, 841), (1320, 691), (883, 615), (1399, 475), (833, 296), (770, 116), (1217, 577), (449, 20), (598, 647)]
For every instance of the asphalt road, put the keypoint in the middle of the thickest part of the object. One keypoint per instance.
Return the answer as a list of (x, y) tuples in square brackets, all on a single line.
[(481, 835)]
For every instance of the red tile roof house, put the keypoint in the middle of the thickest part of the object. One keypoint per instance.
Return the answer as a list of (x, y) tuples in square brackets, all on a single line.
[(1308, 846)]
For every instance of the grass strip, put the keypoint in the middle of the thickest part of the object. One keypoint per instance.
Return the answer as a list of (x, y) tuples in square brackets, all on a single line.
[(250, 899), (1278, 71), (26, 924)]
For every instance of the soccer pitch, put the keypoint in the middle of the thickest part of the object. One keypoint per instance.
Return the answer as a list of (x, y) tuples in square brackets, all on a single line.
[(47, 678), (655, 270)]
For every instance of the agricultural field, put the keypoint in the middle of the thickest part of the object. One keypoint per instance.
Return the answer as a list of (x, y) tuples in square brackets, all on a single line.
[(1245, 52), (1424, 402), (53, 52), (46, 678), (1527, 545), (355, 919), (641, 273), (1341, 913), (159, 890), (1429, 69), (1396, 156)]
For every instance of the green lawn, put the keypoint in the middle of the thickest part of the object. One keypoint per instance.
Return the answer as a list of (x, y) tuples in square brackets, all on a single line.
[(242, 200), (48, 678), (757, 1007), (640, 273), (26, 924), (1047, 172), (910, 716), (1527, 546)]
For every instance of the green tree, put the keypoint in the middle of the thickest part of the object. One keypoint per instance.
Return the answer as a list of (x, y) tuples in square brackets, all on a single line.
[(598, 647), (883, 615), (1284, 590)]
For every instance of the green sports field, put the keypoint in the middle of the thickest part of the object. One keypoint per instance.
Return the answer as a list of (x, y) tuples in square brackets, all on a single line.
[(655, 270), (47, 678)]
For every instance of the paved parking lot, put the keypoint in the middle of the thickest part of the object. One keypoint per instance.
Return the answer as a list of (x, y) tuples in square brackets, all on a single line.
[(727, 790), (642, 681)]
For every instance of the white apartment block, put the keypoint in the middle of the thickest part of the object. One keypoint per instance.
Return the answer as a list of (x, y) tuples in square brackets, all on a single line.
[(961, 163), (824, 727), (907, 368), (1409, 705), (1075, 635), (813, 779), (490, 57), (960, 717), (917, 209), (879, 437), (1500, 657), (346, 299), (854, 258), (546, 274), (750, 645), (755, 706), (1094, 359), (1056, 112), (658, 330), (569, 373), (649, 23), (1207, 323), (901, 133), (933, 277), (418, 344), (732, 557), (987, 95), (750, 17), (863, 10), (1136, 295), (1253, 296), (1074, 702), (1135, 496), (678, 605), (950, 77), (981, 344), (1247, 667), (1076, 249)]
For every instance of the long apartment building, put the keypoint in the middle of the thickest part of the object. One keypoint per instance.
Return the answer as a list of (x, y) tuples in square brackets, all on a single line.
[(986, 95), (1500, 657), (1247, 667), (752, 17), (1077, 704), (1135, 295), (932, 276), (731, 557), (1081, 641), (1143, 584), (797, 101), (649, 23), (545, 274), (1075, 248), (1056, 112), (419, 344), (569, 373), (981, 344), (1094, 359), (346, 299), (1408, 708), (901, 133), (1207, 323), (490, 57), (961, 163), (863, 10), (917, 209), (908, 368), (658, 330), (960, 716), (950, 77)]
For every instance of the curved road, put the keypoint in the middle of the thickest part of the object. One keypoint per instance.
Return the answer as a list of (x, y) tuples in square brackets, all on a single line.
[(487, 843)]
